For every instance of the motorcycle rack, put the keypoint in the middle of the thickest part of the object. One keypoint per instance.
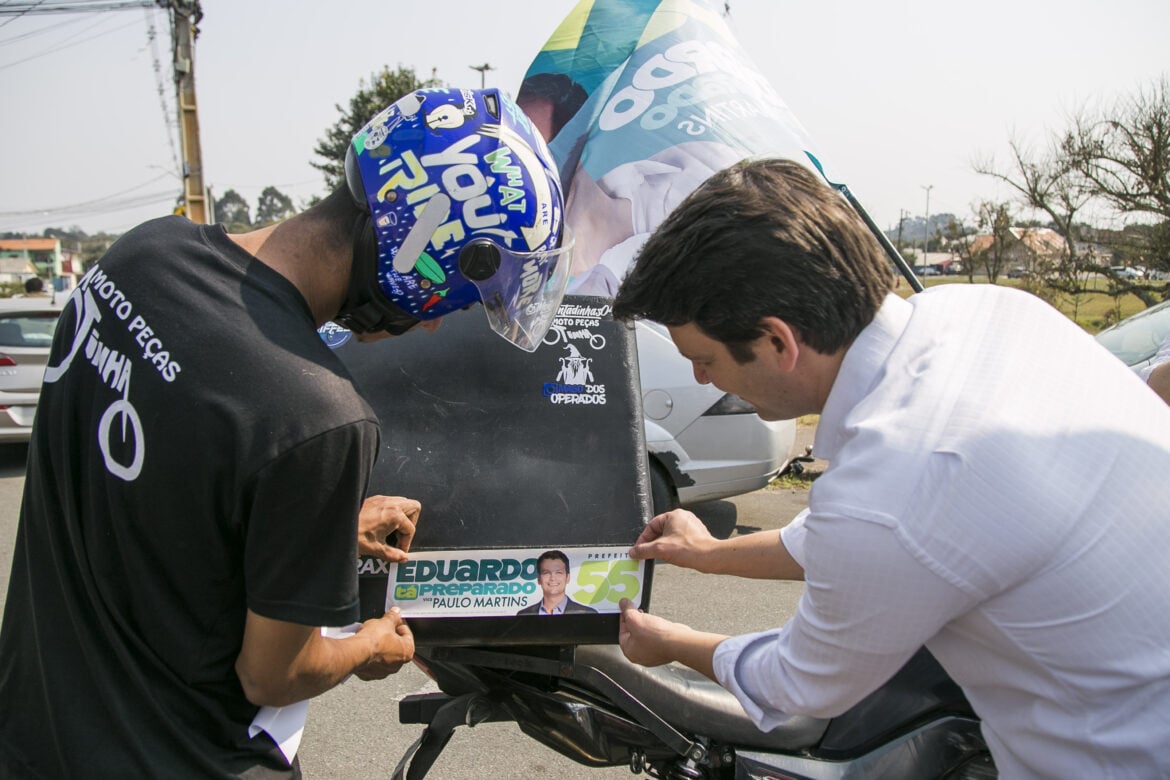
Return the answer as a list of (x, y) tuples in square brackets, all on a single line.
[(462, 710)]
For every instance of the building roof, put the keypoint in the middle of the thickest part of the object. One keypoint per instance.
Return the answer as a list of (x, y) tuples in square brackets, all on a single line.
[(29, 244), (1041, 241)]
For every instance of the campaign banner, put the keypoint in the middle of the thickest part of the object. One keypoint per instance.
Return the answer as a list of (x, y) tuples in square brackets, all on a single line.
[(515, 582), (640, 102)]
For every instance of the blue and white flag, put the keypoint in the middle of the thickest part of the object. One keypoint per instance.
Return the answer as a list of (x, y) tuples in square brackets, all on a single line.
[(641, 101)]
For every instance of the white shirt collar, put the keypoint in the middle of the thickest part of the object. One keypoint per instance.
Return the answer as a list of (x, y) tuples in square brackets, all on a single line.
[(859, 371)]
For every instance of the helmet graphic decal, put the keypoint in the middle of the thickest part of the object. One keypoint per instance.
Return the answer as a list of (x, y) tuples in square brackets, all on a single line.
[(445, 118)]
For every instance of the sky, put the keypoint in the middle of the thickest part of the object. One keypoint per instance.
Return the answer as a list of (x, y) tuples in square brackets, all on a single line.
[(900, 98)]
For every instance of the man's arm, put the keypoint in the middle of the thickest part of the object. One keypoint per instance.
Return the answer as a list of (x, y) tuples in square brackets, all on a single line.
[(653, 641), (679, 537), (281, 663), (1159, 380)]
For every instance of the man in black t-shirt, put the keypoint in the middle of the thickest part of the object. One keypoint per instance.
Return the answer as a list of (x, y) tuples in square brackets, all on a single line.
[(196, 473)]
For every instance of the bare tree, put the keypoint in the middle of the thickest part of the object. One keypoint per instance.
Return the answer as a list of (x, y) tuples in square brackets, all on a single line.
[(1049, 182), (1124, 153), (994, 220), (1119, 158), (960, 240)]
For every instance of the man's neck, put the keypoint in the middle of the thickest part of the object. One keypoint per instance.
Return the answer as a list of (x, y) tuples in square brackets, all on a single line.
[(320, 272)]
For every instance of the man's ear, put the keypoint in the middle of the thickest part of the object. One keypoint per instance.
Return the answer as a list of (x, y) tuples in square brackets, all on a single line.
[(784, 342)]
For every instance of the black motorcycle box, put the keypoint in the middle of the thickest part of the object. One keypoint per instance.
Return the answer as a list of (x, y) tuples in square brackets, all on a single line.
[(508, 450)]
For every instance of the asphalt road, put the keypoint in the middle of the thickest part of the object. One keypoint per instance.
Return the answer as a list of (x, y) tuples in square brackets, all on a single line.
[(353, 731)]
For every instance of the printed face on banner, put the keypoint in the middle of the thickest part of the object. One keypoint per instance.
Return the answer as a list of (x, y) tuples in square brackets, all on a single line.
[(641, 101)]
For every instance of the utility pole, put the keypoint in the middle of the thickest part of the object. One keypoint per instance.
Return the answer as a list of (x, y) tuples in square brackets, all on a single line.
[(483, 69), (926, 233), (185, 15)]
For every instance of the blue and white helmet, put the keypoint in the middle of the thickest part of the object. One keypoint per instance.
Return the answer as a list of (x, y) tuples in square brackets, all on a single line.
[(465, 205)]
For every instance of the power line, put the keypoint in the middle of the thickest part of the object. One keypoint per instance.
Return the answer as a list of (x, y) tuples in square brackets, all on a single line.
[(18, 15), (183, 15), (76, 6), (57, 49), (32, 222), (160, 83), (87, 205), (38, 31)]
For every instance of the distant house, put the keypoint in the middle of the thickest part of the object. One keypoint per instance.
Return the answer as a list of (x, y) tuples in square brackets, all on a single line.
[(1027, 250), (21, 258)]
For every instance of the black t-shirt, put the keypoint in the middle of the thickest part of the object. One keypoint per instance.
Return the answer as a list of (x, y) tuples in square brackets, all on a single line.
[(198, 451)]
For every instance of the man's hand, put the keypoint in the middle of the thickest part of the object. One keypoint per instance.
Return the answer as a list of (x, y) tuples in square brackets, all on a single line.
[(394, 643), (281, 663), (677, 537), (645, 639), (382, 516), (652, 641), (680, 538)]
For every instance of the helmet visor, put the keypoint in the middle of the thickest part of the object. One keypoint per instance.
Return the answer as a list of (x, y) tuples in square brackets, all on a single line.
[(522, 297)]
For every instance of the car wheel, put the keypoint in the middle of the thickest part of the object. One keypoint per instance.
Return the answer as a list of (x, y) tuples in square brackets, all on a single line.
[(661, 490)]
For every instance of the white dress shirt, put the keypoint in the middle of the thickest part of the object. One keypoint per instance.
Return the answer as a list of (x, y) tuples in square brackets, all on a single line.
[(998, 489), (1160, 357)]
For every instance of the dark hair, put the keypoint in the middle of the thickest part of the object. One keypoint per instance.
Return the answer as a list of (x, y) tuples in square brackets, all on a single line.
[(334, 216), (762, 238), (33, 284), (565, 95), (553, 555)]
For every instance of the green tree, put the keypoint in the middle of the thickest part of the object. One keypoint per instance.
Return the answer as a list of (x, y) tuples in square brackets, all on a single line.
[(384, 87), (89, 248), (232, 210), (273, 206)]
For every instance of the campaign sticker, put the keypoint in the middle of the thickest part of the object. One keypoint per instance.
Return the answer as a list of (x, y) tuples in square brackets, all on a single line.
[(334, 335), (516, 582)]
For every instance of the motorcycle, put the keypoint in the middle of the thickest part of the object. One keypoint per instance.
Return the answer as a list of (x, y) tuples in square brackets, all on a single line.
[(589, 703)]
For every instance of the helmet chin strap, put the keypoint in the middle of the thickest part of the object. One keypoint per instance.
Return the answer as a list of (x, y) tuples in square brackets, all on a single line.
[(366, 309)]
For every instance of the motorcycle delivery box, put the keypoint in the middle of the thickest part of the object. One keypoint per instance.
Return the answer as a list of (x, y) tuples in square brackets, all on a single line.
[(514, 456)]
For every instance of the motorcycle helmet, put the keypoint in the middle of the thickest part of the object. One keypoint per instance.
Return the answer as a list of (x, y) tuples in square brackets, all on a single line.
[(462, 204)]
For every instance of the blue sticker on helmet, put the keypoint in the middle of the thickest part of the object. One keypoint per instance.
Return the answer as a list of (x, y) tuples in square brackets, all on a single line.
[(334, 335)]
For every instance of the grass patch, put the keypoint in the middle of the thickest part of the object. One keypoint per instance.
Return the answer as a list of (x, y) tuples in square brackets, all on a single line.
[(790, 481), (1092, 310)]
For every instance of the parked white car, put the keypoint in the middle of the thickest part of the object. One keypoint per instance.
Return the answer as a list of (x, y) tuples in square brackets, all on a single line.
[(703, 444), (26, 333), (1136, 339)]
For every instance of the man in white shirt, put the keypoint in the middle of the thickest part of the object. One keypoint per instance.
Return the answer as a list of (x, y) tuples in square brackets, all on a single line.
[(1157, 374), (997, 485)]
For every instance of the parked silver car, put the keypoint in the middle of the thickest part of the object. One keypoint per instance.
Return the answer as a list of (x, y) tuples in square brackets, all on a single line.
[(1136, 339), (26, 332), (703, 444)]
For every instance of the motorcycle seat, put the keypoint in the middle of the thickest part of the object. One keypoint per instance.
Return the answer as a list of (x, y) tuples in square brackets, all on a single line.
[(692, 703)]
